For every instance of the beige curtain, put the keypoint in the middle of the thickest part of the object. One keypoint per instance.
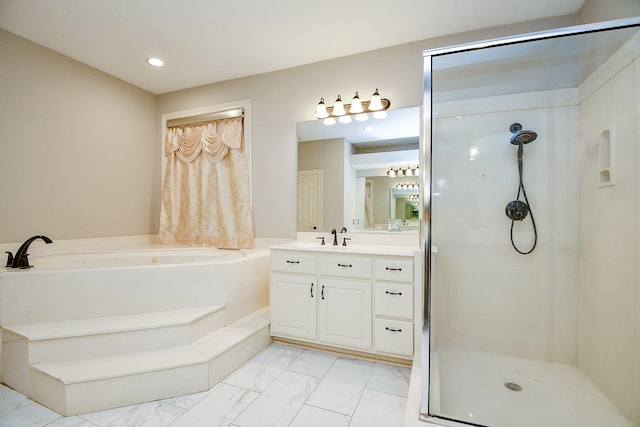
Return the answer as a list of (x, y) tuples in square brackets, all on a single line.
[(205, 194)]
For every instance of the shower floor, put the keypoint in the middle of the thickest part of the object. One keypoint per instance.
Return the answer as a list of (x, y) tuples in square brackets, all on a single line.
[(470, 386)]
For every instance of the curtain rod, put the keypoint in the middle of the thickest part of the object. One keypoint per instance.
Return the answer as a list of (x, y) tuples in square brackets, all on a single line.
[(227, 114)]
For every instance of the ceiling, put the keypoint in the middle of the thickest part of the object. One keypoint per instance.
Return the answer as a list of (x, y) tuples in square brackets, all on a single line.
[(207, 41)]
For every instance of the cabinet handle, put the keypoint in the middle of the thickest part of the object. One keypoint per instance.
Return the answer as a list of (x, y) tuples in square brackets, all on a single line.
[(392, 293), (322, 291), (345, 265), (392, 269), (293, 262), (392, 330), (312, 290)]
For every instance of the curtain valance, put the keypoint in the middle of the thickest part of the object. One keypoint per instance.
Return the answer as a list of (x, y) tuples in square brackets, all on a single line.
[(213, 140)]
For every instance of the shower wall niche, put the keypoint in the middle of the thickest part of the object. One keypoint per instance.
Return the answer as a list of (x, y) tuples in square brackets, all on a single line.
[(552, 337)]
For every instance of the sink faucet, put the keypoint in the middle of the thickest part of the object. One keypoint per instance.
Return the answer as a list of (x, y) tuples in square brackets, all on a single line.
[(21, 260), (335, 237)]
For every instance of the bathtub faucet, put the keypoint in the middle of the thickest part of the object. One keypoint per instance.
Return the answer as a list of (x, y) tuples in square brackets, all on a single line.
[(20, 260)]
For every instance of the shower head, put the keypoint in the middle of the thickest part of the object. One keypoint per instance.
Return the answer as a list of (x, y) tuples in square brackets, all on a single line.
[(521, 136)]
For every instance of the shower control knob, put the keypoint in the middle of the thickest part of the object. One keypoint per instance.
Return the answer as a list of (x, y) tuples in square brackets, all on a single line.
[(516, 210)]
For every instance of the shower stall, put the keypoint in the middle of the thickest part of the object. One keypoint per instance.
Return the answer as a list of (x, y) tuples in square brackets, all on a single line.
[(532, 211)]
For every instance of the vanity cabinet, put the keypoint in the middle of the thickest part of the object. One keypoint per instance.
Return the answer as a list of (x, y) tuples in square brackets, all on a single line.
[(362, 302), (294, 289)]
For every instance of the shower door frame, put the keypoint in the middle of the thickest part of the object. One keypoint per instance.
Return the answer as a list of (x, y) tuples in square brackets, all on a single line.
[(426, 159)]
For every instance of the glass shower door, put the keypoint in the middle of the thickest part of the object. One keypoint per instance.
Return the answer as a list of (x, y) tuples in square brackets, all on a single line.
[(534, 295)]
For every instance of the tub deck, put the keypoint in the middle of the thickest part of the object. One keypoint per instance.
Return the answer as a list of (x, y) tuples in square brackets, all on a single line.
[(99, 335)]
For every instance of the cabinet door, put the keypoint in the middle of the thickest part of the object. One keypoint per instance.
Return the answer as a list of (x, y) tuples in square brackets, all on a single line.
[(293, 305), (345, 313)]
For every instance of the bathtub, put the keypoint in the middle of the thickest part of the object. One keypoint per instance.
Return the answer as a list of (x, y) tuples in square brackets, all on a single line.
[(134, 278)]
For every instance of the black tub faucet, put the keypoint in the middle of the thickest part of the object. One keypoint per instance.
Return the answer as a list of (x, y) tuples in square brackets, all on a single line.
[(20, 260)]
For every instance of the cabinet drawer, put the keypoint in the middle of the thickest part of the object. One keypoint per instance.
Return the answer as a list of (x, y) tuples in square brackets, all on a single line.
[(345, 266), (394, 336), (293, 262), (394, 300), (394, 269)]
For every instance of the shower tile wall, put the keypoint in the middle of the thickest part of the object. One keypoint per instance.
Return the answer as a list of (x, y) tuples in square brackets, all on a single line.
[(488, 297), (609, 292)]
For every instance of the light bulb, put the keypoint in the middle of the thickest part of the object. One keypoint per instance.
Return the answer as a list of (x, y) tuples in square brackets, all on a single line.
[(356, 105), (362, 117), (329, 121), (344, 119), (376, 103), (391, 173), (338, 108), (321, 110), (156, 62)]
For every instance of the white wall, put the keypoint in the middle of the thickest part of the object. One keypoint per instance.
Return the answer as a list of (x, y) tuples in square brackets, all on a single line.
[(79, 148), (45, 90), (487, 296), (609, 293), (281, 99)]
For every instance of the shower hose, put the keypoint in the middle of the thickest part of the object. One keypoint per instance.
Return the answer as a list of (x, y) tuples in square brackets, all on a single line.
[(523, 191)]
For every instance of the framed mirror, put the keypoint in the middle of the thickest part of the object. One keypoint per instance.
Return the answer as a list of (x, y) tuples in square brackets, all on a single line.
[(344, 178)]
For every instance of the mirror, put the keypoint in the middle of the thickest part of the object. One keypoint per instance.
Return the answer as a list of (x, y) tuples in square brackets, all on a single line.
[(342, 174)]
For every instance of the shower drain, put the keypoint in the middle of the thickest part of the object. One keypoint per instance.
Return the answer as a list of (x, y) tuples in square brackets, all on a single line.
[(513, 386)]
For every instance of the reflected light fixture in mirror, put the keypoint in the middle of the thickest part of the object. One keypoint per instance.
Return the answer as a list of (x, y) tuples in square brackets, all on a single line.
[(399, 171), (357, 108)]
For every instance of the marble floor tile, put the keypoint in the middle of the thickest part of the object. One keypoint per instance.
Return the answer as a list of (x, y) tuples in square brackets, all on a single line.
[(313, 363), (31, 414), (187, 401), (342, 386), (280, 402), (11, 400), (258, 373), (282, 386), (390, 379), (310, 416), (377, 409), (71, 422), (156, 414), (218, 408), (106, 417)]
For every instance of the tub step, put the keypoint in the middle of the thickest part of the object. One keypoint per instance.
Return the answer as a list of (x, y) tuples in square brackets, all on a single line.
[(79, 339), (94, 384)]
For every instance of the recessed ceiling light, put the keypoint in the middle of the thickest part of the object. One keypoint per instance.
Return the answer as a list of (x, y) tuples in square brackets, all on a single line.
[(156, 62)]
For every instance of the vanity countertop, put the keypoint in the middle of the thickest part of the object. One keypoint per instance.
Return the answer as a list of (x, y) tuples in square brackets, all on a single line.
[(354, 249)]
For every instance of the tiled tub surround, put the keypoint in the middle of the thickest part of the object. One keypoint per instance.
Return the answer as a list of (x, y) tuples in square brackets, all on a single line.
[(282, 386), (84, 339)]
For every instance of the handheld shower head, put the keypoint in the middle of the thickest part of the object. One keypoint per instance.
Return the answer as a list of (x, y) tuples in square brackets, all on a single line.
[(521, 136)]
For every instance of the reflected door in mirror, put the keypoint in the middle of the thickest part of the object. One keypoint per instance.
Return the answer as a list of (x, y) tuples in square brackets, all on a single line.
[(310, 200)]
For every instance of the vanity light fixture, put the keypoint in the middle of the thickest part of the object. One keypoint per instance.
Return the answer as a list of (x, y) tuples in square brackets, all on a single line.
[(357, 108), (408, 171), (409, 186)]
